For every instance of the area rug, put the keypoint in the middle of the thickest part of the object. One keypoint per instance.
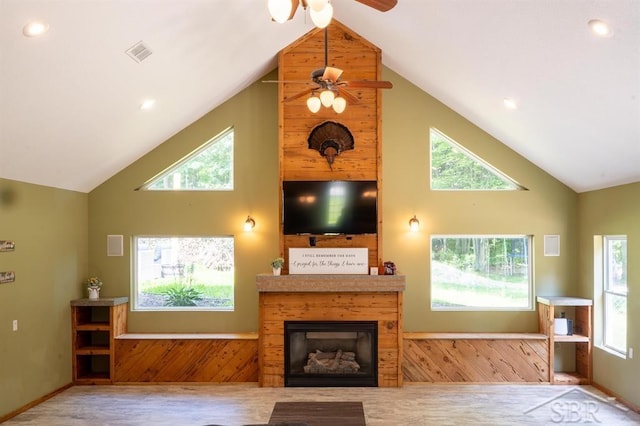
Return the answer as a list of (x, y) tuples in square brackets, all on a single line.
[(318, 413)]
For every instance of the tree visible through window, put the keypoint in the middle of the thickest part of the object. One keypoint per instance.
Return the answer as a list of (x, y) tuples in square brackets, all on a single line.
[(183, 273), (208, 168), (455, 168), (615, 293), (481, 272)]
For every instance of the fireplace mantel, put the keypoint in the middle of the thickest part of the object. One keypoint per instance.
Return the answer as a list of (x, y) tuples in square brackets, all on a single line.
[(329, 298), (329, 283)]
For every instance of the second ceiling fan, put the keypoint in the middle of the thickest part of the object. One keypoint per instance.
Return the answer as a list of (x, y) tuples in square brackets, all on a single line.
[(329, 89)]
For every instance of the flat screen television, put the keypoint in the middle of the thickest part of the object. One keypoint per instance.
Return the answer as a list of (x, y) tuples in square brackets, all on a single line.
[(330, 207)]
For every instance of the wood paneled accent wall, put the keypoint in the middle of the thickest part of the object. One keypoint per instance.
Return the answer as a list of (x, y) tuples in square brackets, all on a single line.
[(360, 60), (178, 358)]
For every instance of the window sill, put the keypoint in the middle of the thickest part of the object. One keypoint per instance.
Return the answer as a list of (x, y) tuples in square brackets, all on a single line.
[(611, 351)]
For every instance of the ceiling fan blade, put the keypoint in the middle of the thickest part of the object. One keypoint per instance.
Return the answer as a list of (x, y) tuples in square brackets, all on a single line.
[(369, 84), (288, 81), (381, 5), (350, 97), (331, 74), (298, 95)]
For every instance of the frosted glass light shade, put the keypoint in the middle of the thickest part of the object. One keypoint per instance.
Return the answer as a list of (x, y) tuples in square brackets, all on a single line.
[(414, 224), (314, 104), (322, 18), (327, 97), (317, 5), (280, 10), (339, 104)]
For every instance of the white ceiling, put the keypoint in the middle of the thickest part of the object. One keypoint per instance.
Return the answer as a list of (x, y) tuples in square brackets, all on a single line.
[(69, 101)]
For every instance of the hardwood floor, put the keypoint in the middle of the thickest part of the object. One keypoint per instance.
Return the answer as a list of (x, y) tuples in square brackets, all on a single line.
[(241, 404)]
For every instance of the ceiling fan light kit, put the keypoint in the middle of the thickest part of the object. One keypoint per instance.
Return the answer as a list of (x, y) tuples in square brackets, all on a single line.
[(314, 104), (322, 18), (321, 11), (282, 10)]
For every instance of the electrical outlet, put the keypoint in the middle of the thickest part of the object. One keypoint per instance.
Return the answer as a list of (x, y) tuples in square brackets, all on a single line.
[(631, 353), (15, 325)]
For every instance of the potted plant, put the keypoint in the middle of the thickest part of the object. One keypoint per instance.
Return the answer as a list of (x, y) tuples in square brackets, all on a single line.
[(276, 265), (93, 286)]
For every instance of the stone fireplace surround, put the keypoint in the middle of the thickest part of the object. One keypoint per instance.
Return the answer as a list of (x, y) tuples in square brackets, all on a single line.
[(330, 298)]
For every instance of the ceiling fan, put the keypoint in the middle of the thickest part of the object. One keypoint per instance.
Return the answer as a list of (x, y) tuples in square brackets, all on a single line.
[(321, 10), (329, 89)]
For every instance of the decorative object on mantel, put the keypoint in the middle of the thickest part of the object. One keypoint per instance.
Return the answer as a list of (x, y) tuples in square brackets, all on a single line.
[(330, 260), (389, 268), (93, 286), (276, 265), (7, 245), (7, 277), (330, 139)]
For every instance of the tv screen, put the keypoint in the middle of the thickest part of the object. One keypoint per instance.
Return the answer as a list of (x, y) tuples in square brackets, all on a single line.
[(330, 207)]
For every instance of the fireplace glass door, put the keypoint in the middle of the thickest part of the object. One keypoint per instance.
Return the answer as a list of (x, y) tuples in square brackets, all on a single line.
[(331, 353)]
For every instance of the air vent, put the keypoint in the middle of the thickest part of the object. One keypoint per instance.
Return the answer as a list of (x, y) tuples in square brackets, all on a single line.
[(138, 52)]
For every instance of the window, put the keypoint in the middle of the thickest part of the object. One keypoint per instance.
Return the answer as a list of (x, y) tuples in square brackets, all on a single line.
[(209, 168), (614, 305), (453, 167), (183, 273), (481, 272)]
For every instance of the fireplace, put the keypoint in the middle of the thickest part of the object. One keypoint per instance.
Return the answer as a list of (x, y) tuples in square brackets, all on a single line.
[(331, 353)]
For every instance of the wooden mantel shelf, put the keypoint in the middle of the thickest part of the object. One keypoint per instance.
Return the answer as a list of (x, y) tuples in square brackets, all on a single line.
[(330, 283)]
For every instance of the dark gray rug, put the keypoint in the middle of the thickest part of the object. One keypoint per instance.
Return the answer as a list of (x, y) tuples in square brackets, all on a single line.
[(318, 414)]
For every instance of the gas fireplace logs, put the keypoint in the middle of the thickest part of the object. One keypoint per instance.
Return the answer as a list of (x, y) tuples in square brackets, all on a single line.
[(331, 362)]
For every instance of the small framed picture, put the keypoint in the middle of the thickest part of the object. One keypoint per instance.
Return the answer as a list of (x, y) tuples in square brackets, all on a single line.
[(7, 277), (7, 245)]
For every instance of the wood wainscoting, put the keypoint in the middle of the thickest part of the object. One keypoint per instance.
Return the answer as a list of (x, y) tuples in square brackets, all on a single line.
[(330, 298), (164, 358), (476, 358)]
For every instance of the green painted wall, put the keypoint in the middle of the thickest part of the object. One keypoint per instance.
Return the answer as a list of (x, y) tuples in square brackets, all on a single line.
[(549, 207), (49, 227), (613, 211), (116, 208)]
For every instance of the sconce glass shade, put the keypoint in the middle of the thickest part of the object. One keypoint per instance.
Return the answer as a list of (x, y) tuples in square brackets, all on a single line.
[(414, 224), (327, 97), (339, 104), (322, 18), (249, 224), (314, 104), (280, 10)]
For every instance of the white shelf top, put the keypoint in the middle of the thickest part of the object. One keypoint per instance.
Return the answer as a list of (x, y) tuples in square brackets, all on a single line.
[(564, 301)]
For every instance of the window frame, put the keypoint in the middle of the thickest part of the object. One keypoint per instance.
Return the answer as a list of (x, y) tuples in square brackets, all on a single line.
[(608, 292), (147, 186), (134, 278), (512, 184), (530, 285)]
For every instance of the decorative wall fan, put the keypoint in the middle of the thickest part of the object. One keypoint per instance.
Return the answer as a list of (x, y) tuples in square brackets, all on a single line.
[(327, 87)]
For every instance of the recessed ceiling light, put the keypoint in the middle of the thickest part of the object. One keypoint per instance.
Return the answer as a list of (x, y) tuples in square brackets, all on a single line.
[(599, 28), (510, 103), (147, 104), (35, 28)]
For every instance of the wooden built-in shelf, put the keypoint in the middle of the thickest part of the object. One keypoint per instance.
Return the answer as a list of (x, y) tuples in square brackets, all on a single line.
[(95, 323), (582, 339)]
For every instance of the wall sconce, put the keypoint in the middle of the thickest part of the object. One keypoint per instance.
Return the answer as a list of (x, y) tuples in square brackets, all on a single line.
[(414, 224), (249, 224)]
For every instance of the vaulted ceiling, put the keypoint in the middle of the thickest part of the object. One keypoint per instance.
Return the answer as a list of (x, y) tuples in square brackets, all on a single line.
[(69, 100)]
